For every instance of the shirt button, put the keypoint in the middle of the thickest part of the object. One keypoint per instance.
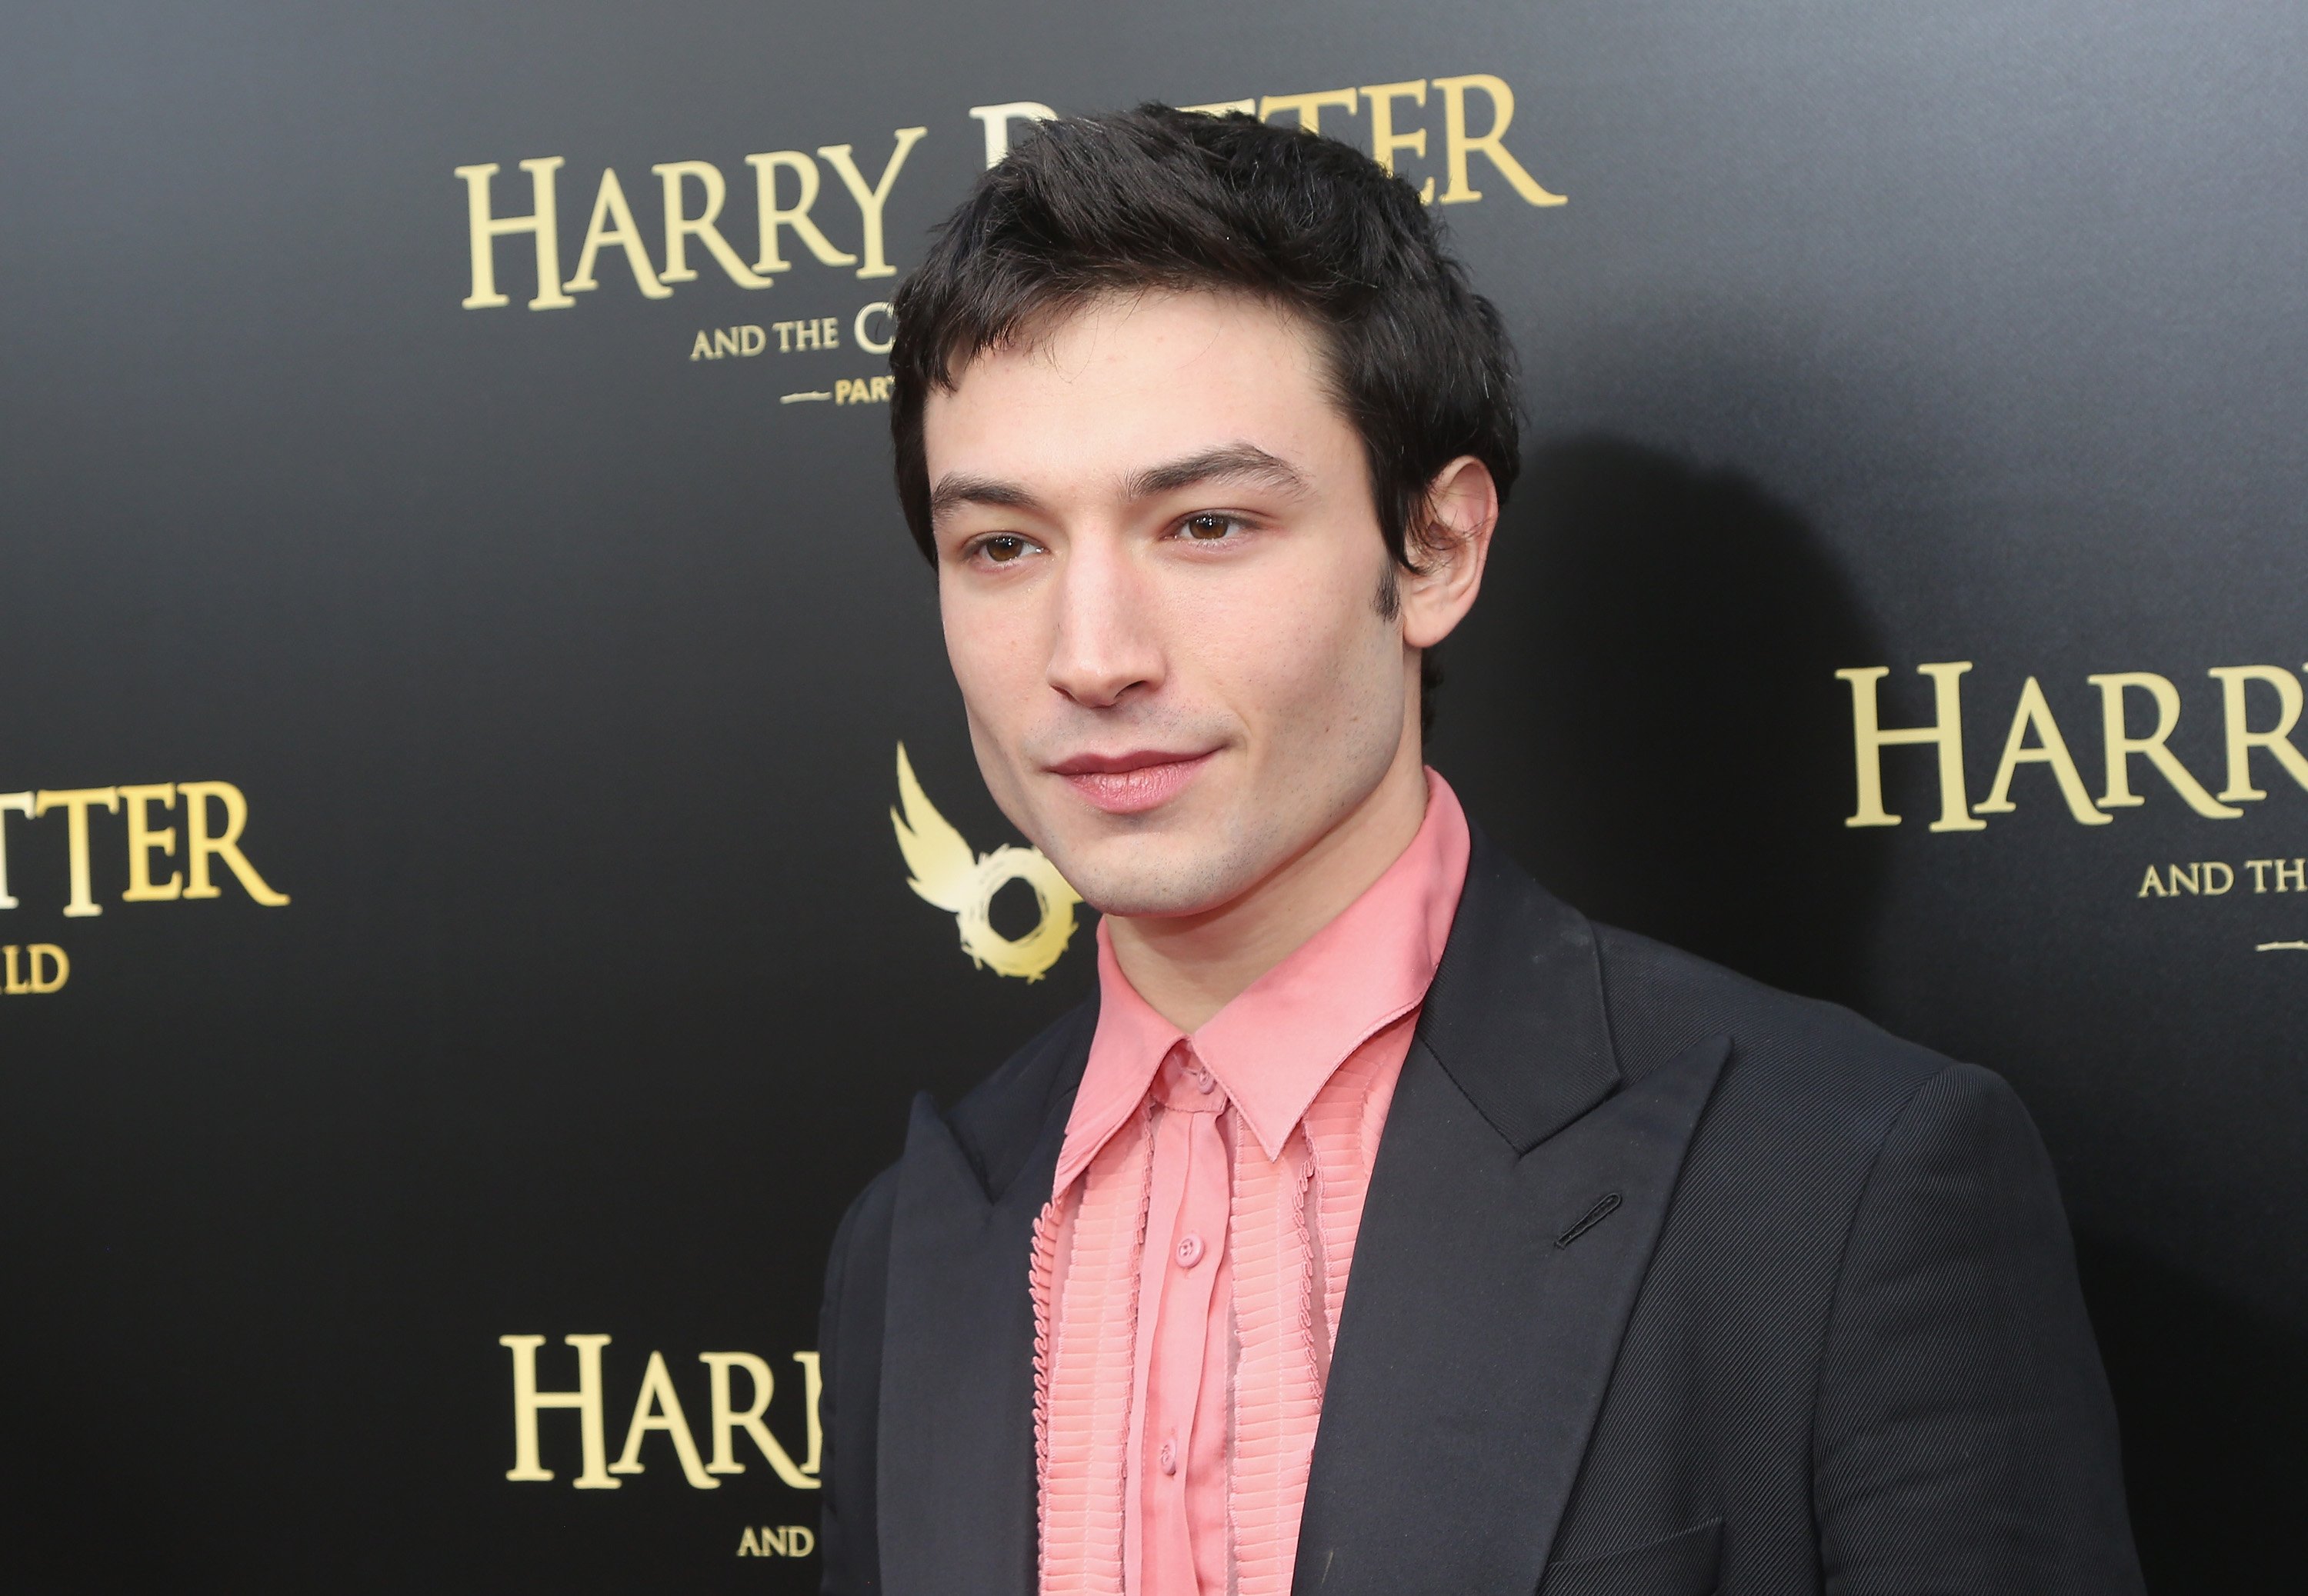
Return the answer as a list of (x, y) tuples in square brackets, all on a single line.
[(1167, 1460), (1204, 1081), (1189, 1250)]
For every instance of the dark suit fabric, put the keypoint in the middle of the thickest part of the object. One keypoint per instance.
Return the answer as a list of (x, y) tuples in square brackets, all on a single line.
[(1667, 1284)]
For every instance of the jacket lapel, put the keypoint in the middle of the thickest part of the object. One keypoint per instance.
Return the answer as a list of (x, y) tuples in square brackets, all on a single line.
[(1520, 1188), (955, 1453)]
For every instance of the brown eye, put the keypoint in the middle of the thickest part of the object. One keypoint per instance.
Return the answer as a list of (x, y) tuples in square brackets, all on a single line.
[(1002, 550), (1208, 528)]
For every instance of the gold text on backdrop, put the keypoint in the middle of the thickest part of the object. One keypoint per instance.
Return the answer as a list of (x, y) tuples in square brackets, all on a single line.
[(657, 1408), (2034, 738), (48, 969), (779, 1541), (211, 836), (612, 223), (693, 193)]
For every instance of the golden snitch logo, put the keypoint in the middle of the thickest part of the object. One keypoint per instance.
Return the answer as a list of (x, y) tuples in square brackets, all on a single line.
[(946, 873)]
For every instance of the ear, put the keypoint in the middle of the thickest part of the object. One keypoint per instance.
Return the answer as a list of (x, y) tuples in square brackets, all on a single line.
[(1462, 512)]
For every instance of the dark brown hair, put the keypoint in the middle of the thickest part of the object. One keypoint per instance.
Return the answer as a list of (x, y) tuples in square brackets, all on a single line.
[(1163, 199)]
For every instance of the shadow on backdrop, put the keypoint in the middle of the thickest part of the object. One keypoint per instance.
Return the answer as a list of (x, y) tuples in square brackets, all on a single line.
[(1649, 680), (2208, 1391), (1663, 738)]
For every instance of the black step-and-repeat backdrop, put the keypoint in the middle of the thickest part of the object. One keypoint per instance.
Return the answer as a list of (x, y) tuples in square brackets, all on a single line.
[(458, 642)]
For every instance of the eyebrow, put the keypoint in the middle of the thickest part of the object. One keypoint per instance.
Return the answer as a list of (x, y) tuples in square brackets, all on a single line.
[(1228, 462), (959, 487)]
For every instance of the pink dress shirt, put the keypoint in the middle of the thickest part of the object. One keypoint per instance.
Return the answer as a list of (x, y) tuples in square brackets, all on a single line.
[(1190, 1268)]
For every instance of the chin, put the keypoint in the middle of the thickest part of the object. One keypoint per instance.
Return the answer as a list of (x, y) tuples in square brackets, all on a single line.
[(1128, 879)]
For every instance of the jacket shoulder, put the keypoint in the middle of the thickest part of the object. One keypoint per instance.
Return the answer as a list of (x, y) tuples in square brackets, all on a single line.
[(1661, 1000), (995, 1122), (998, 1121)]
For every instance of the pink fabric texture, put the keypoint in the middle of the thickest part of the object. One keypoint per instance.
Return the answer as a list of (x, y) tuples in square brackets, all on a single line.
[(1189, 1270)]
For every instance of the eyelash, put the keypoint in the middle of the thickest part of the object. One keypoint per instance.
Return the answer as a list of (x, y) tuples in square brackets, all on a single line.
[(1234, 521), (980, 549)]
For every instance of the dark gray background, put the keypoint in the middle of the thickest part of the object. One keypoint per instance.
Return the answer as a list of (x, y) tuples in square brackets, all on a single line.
[(563, 676)]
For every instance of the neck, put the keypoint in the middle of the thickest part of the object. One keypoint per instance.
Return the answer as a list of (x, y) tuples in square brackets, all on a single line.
[(1190, 967)]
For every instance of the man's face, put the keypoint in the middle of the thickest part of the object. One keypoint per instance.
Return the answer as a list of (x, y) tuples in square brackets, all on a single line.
[(1159, 567)]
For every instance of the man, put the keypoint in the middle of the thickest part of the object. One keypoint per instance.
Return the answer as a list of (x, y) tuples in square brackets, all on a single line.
[(1382, 1225)]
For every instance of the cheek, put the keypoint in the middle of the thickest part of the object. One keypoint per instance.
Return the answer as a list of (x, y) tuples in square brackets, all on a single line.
[(1305, 647), (991, 648)]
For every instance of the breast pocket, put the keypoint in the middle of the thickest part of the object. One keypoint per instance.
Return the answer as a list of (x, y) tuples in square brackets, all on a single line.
[(1681, 1565)]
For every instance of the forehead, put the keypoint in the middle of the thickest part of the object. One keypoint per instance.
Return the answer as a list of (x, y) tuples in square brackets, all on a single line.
[(1126, 379)]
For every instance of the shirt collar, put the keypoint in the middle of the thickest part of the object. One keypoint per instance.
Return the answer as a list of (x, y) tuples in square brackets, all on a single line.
[(1276, 1045)]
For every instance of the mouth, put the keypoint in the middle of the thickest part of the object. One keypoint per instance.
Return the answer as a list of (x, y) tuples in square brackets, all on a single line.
[(1131, 784)]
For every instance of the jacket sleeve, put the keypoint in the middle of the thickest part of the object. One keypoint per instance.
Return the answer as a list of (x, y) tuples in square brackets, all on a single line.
[(1964, 1442), (849, 1361)]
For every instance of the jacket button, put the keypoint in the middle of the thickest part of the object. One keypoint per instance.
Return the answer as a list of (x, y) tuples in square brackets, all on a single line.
[(1167, 1460), (1189, 1250)]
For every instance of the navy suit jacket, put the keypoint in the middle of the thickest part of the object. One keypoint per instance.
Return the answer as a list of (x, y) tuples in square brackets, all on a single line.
[(1667, 1284)]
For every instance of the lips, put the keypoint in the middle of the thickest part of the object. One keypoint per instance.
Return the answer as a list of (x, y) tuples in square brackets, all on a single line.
[(1130, 784)]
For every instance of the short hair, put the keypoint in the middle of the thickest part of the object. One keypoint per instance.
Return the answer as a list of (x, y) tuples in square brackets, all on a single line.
[(1162, 199)]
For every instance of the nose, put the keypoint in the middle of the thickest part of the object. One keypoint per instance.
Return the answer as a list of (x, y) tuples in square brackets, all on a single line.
[(1105, 645)]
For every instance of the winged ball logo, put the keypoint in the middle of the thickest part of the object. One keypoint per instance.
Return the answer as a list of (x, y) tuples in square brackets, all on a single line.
[(947, 873)]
